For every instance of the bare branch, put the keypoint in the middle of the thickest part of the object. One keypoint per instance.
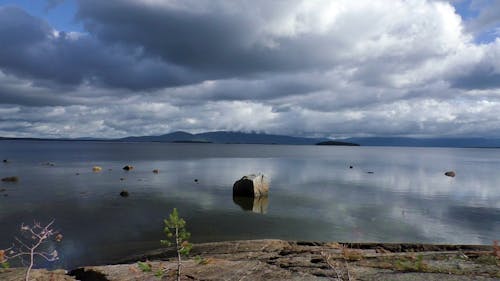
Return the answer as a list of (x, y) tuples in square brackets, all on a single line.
[(46, 256), (347, 270), (331, 265), (37, 235), (22, 244)]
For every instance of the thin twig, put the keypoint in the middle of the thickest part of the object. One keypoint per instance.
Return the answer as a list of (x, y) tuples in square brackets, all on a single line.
[(327, 259), (347, 270)]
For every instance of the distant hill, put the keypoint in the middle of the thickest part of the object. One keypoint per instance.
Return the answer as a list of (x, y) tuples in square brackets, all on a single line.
[(172, 137), (226, 137), (257, 138), (426, 142)]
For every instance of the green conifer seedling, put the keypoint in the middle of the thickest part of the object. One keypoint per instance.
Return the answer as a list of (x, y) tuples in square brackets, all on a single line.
[(177, 235)]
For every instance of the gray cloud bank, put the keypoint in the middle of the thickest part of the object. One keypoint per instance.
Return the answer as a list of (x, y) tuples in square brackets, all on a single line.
[(310, 68)]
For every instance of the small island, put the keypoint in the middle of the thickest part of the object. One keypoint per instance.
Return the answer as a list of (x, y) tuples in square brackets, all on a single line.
[(337, 143)]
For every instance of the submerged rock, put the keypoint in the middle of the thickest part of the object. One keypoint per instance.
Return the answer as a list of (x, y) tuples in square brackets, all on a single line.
[(124, 193), (5, 161), (156, 171), (10, 179), (251, 186), (128, 168), (450, 174), (59, 237)]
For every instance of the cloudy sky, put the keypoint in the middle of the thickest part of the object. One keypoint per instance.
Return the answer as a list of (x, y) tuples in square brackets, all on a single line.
[(334, 68)]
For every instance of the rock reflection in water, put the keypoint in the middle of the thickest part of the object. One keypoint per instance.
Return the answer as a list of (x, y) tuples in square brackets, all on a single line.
[(256, 205)]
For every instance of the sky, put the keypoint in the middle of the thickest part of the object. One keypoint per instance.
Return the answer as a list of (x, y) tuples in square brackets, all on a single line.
[(325, 68)]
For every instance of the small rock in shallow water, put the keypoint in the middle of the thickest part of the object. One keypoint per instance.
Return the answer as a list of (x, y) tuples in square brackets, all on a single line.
[(450, 174), (96, 169), (124, 193), (128, 168), (156, 171), (5, 160), (350, 167), (10, 179), (195, 180)]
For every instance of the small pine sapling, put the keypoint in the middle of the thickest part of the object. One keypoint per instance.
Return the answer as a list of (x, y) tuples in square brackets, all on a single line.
[(177, 235), (145, 267)]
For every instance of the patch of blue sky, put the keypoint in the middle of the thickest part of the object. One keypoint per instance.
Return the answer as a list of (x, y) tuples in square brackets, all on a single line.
[(60, 16), (465, 9), (469, 10), (488, 36)]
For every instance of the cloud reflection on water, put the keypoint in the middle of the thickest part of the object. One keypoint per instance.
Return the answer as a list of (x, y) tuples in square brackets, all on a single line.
[(313, 196)]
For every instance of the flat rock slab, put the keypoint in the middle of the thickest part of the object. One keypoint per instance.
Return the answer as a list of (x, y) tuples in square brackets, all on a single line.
[(214, 269), (17, 274), (360, 261), (295, 260)]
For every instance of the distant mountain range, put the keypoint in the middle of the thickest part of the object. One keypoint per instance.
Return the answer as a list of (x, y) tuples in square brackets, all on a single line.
[(226, 137), (257, 138)]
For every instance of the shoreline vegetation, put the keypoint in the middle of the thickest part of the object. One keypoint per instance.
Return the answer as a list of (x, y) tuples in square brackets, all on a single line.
[(293, 260)]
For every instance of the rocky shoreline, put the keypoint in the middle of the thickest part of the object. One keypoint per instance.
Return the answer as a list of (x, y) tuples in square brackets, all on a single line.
[(295, 260)]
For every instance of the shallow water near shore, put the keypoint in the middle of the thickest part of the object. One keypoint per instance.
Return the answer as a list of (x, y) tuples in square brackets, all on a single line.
[(390, 195)]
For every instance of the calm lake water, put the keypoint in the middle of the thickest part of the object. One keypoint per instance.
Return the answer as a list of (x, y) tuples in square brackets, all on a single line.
[(313, 195)]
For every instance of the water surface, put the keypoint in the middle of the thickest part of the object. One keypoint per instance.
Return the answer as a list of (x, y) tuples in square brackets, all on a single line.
[(390, 195)]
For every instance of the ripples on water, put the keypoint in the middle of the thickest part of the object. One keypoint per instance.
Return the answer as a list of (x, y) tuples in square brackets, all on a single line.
[(313, 195)]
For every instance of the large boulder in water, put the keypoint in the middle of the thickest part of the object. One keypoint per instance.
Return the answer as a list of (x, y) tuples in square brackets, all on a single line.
[(251, 186)]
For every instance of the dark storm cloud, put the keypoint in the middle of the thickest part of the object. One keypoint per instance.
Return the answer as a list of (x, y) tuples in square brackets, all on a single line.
[(217, 38), (481, 77), (38, 52)]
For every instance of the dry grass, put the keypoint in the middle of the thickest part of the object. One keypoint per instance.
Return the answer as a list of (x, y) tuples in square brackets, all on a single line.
[(352, 254), (496, 249)]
